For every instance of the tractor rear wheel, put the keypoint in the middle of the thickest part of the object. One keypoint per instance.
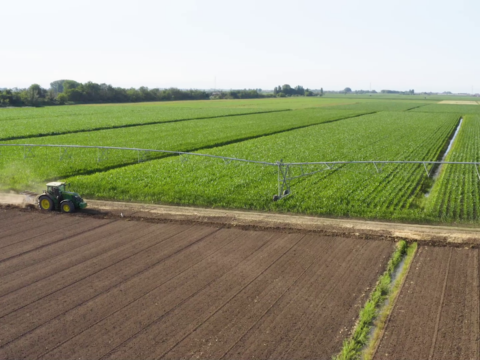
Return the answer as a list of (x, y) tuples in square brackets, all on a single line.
[(67, 206), (45, 203)]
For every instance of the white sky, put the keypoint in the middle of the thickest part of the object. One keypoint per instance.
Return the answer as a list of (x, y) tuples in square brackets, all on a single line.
[(426, 45)]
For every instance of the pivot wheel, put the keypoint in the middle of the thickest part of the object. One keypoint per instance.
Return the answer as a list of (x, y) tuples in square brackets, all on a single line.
[(45, 203), (67, 206)]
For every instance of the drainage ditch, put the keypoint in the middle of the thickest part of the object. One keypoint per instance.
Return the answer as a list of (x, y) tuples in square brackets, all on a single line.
[(439, 168)]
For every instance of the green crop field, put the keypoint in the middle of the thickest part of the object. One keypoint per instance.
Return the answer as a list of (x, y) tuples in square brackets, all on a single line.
[(448, 108), (456, 194), (179, 136), (291, 129), (352, 190), (33, 122)]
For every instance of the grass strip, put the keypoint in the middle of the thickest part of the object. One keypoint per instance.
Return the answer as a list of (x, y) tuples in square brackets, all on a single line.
[(353, 347), (386, 310)]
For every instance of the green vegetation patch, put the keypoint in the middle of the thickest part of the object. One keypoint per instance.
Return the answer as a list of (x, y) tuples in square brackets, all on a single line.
[(353, 347), (48, 163), (382, 105), (450, 108), (455, 195), (18, 123)]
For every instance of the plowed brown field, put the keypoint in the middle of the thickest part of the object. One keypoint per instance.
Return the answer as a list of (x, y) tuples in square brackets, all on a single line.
[(437, 313), (84, 288)]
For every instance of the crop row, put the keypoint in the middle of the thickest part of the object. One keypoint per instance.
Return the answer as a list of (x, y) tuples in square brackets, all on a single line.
[(48, 163), (456, 193), (395, 192)]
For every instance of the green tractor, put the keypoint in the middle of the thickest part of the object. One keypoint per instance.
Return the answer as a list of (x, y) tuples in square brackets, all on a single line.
[(57, 198)]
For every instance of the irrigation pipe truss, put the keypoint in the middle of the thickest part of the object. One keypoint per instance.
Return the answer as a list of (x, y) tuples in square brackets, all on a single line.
[(284, 174)]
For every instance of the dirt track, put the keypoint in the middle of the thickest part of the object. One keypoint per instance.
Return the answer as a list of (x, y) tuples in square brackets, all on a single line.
[(434, 234), (86, 288), (437, 313)]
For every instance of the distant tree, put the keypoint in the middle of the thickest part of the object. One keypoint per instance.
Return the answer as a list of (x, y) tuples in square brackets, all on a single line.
[(299, 90), (62, 98), (57, 86), (91, 92), (287, 90), (75, 94), (50, 96), (321, 92), (33, 94), (347, 90), (70, 84)]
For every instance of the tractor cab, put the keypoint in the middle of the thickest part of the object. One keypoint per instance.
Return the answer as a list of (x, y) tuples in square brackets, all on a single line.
[(56, 187), (56, 197)]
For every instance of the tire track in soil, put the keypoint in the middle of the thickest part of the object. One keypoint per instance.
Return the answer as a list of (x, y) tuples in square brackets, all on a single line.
[(225, 287), (439, 314), (240, 314), (12, 217), (16, 230), (44, 287), (31, 234), (18, 323), (458, 329), (72, 242), (7, 216), (308, 308), (257, 339), (200, 244), (416, 330), (37, 243), (353, 292), (182, 321), (107, 242), (162, 300), (271, 268)]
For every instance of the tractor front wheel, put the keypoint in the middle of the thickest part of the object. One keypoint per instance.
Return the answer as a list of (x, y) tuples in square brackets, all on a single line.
[(45, 203), (67, 206)]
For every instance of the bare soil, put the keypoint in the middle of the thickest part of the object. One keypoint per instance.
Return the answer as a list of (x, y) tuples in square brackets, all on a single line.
[(84, 287), (458, 102), (436, 315)]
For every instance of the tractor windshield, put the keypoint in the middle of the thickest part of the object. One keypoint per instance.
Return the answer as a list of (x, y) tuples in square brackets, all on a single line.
[(61, 188)]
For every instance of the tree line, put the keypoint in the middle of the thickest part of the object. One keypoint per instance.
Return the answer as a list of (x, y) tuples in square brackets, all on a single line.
[(287, 90), (63, 92)]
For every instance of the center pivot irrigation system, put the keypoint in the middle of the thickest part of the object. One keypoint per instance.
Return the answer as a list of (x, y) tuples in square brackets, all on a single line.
[(285, 175)]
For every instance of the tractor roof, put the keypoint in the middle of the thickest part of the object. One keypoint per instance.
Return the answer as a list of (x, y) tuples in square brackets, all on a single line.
[(55, 183)]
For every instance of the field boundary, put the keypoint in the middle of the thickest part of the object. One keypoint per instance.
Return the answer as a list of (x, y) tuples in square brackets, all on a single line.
[(353, 346), (428, 234), (387, 309), (416, 107), (440, 235)]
